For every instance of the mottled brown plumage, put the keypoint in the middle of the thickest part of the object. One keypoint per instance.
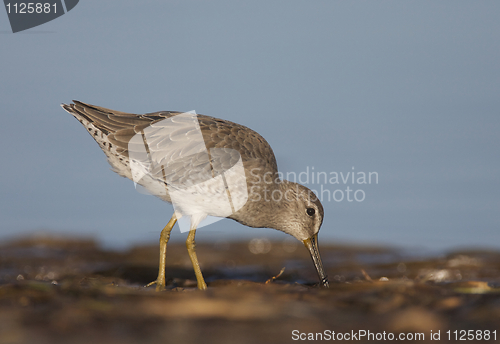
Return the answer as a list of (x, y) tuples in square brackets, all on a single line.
[(180, 162)]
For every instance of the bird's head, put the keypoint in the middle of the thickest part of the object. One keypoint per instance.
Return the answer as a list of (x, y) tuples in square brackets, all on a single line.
[(304, 218)]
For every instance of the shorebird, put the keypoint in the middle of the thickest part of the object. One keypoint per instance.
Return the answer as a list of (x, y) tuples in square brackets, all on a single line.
[(204, 166)]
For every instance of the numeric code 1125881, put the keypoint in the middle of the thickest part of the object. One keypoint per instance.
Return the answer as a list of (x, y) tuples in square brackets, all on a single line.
[(31, 7)]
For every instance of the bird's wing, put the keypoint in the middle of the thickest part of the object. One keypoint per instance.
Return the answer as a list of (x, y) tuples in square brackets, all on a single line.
[(179, 149)]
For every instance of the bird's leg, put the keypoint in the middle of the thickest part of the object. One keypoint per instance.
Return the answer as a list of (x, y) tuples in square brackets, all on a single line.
[(164, 237), (191, 247)]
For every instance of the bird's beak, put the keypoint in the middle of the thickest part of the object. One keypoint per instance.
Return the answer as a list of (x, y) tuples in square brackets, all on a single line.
[(312, 246)]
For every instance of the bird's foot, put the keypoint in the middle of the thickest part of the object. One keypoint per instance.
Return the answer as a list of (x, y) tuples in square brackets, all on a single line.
[(159, 286), (202, 285)]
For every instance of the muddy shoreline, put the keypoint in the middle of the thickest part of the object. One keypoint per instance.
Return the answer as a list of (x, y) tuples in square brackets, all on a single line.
[(63, 290)]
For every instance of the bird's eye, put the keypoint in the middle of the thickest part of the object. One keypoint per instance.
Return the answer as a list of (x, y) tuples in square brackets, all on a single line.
[(310, 211)]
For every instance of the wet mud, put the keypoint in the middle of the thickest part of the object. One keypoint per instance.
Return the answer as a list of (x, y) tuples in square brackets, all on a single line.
[(60, 290)]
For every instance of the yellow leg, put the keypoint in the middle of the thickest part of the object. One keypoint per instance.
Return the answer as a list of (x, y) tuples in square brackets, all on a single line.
[(191, 247), (164, 237)]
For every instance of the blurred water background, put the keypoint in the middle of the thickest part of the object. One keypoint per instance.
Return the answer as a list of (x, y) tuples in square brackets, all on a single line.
[(407, 90)]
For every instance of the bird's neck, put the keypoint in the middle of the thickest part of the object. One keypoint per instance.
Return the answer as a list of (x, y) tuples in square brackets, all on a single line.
[(268, 205), (280, 205)]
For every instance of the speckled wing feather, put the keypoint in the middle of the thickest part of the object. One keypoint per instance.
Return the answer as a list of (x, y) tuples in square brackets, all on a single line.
[(176, 156)]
